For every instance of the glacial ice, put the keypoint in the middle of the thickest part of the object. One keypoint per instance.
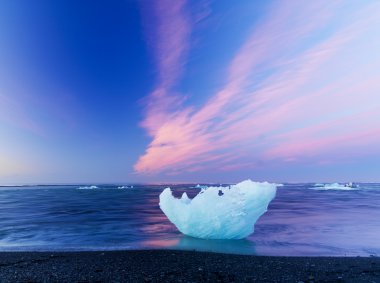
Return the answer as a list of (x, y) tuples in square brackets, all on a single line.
[(219, 212), (334, 186), (200, 187), (125, 187), (88, 187)]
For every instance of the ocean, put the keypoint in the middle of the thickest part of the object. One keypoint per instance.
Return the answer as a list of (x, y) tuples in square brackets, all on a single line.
[(303, 220)]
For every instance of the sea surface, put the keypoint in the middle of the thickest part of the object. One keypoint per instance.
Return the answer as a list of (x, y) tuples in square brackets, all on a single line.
[(303, 220)]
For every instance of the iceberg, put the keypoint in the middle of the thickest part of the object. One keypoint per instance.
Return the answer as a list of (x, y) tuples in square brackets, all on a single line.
[(219, 212)]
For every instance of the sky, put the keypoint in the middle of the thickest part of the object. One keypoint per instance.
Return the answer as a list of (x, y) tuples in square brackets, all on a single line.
[(189, 91)]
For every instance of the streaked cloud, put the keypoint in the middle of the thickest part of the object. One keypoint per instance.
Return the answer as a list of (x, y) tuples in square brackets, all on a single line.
[(168, 27), (302, 86)]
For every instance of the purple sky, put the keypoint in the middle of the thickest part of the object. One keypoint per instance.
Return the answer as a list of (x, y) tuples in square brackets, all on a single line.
[(193, 91)]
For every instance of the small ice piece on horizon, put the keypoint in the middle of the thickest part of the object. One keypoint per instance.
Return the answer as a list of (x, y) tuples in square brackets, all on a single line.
[(335, 186), (219, 212), (201, 187), (123, 187), (88, 188)]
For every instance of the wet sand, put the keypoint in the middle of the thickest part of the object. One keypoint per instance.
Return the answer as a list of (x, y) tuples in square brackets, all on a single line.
[(181, 266)]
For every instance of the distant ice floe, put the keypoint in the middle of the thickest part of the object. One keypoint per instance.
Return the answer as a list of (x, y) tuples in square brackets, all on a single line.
[(201, 187), (335, 186), (105, 187), (88, 188), (219, 212), (125, 187)]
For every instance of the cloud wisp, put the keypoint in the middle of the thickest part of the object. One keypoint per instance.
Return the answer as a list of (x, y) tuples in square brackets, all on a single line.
[(168, 27), (300, 86)]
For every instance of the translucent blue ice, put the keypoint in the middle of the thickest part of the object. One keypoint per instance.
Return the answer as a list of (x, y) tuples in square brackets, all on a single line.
[(219, 212)]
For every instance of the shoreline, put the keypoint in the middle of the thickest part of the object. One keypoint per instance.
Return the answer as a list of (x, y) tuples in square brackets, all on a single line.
[(181, 266)]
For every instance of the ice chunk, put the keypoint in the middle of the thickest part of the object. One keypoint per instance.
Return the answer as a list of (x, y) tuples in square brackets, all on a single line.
[(125, 187), (88, 188), (219, 212), (335, 186), (200, 187)]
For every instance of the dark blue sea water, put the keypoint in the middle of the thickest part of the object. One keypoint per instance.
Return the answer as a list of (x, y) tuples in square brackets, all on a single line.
[(300, 221)]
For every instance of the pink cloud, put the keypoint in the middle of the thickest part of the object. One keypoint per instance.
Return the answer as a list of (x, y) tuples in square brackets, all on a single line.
[(168, 27), (305, 107), (315, 147), (333, 135)]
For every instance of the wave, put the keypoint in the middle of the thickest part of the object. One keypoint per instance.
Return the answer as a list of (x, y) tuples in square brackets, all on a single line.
[(319, 185)]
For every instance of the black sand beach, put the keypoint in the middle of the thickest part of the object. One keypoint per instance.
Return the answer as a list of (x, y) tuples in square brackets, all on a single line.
[(181, 266)]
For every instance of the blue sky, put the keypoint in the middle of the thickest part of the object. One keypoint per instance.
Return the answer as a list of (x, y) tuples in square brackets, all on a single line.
[(156, 91)]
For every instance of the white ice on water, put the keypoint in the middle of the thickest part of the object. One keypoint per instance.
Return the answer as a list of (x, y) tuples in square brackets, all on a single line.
[(125, 187), (334, 186), (88, 187), (201, 187), (219, 212)]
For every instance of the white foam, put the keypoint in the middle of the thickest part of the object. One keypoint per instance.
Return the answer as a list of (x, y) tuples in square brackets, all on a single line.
[(219, 212)]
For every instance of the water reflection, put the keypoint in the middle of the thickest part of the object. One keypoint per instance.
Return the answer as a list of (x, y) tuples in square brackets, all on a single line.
[(182, 242), (243, 246)]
